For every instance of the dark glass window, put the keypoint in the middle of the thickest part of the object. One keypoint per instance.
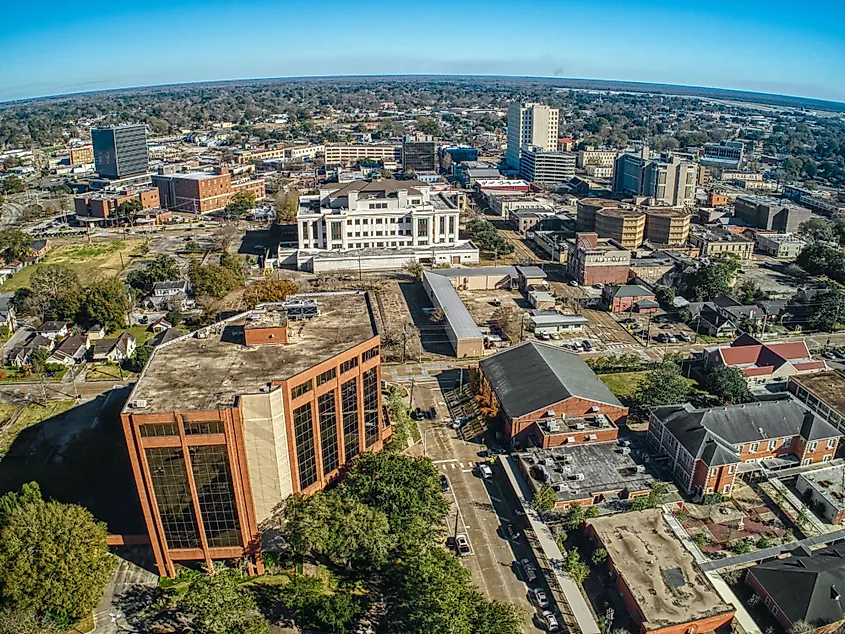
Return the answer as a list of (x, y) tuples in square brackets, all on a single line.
[(203, 427), (151, 430), (372, 353), (328, 431), (346, 366), (371, 388), (349, 406), (304, 436), (326, 376), (216, 495), (302, 388), (173, 497)]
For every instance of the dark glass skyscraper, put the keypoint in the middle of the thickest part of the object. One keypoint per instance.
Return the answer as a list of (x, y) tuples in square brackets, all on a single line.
[(120, 150), (419, 156)]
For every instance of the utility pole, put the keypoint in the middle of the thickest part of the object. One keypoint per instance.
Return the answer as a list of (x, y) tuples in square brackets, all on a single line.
[(404, 342), (411, 394)]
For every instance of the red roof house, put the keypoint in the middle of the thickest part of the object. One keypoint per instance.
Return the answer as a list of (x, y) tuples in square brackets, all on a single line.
[(763, 363)]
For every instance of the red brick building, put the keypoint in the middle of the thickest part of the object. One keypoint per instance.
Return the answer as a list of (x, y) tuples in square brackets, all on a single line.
[(549, 395), (629, 298), (104, 204), (223, 425), (660, 584), (763, 363), (203, 192), (707, 448), (593, 260)]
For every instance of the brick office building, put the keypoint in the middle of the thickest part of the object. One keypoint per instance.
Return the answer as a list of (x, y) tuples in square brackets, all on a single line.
[(550, 396), (203, 192), (708, 447), (593, 260), (104, 204), (660, 584), (224, 424)]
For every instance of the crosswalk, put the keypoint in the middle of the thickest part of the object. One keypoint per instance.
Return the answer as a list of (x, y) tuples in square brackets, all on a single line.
[(446, 465)]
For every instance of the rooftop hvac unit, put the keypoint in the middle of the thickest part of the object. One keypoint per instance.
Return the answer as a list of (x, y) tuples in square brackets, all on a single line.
[(592, 437), (594, 408), (580, 426), (554, 426), (626, 451), (140, 403), (640, 468), (301, 308), (567, 459), (577, 477), (550, 413), (549, 462), (625, 443), (602, 421), (570, 439)]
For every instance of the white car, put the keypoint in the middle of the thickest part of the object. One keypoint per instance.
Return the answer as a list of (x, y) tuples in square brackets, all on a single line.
[(573, 283), (540, 598), (485, 470), (550, 621), (462, 545)]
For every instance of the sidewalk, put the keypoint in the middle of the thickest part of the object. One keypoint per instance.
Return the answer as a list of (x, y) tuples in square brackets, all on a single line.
[(578, 609)]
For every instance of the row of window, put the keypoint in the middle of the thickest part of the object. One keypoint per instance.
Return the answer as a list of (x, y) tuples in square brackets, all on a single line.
[(156, 430)]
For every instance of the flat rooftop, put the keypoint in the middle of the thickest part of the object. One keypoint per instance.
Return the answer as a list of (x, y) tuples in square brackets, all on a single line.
[(661, 574), (829, 483), (828, 386), (605, 467), (194, 373)]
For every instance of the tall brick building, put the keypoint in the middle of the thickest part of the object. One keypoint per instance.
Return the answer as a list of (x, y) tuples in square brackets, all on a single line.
[(203, 192), (224, 424), (594, 260)]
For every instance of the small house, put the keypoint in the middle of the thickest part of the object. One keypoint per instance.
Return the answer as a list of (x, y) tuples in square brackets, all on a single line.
[(53, 330), (114, 350), (70, 351)]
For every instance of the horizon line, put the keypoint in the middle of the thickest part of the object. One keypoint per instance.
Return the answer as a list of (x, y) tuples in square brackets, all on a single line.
[(80, 93)]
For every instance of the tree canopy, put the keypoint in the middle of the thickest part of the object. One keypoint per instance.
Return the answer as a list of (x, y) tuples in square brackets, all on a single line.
[(160, 269), (217, 280), (270, 290), (15, 244), (712, 278), (665, 385), (487, 238), (106, 302), (216, 604), (729, 384)]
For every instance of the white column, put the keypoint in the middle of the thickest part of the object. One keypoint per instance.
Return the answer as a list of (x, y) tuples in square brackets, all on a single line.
[(414, 236), (344, 225)]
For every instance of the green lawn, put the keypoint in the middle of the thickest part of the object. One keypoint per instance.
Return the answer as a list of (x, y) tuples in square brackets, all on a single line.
[(623, 384), (90, 261), (31, 415), (105, 372), (11, 374)]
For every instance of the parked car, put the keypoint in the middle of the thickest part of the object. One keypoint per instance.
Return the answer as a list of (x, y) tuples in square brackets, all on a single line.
[(840, 354), (496, 302), (512, 532), (599, 286), (670, 338), (549, 621), (829, 355), (684, 337), (543, 336), (459, 422), (555, 336), (665, 326), (573, 283), (462, 545), (418, 414), (528, 570), (432, 413), (485, 470), (587, 345), (444, 483), (540, 598)]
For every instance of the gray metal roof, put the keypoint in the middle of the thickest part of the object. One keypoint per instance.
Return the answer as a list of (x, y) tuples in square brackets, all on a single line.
[(477, 271), (456, 314), (531, 271), (532, 376), (552, 320)]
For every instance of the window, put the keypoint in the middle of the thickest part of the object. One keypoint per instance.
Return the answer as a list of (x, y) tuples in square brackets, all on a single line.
[(812, 446), (726, 489), (153, 430), (302, 388), (326, 376), (708, 490), (216, 495), (203, 427), (304, 438), (772, 444), (347, 365), (169, 479), (328, 431), (371, 413), (807, 461), (787, 442), (349, 409), (372, 353), (831, 443), (713, 471), (731, 468), (754, 447)]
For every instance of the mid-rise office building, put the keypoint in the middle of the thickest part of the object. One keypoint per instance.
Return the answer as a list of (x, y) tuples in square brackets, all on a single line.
[(227, 422), (630, 224), (770, 214), (625, 226), (594, 260), (120, 150), (530, 124), (725, 154), (381, 214), (667, 226), (203, 192), (104, 204), (419, 154), (345, 154), (599, 158), (669, 182), (712, 241), (539, 166), (81, 155)]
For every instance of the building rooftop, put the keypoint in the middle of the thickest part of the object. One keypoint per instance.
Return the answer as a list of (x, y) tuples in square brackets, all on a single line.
[(194, 373), (618, 212), (667, 212), (829, 483), (828, 386), (607, 469), (454, 310), (661, 574)]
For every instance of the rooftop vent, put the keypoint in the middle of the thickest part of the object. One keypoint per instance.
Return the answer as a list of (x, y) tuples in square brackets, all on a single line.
[(140, 403), (639, 468)]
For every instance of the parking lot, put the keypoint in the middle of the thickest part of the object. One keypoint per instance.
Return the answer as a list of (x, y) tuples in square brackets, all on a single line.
[(481, 508)]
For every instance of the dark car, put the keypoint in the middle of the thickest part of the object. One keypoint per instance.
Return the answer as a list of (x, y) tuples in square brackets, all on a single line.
[(444, 483), (417, 414), (512, 532), (587, 345)]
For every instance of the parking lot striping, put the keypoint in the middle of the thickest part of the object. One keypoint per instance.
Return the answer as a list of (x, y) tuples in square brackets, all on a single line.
[(445, 460), (453, 465), (466, 470)]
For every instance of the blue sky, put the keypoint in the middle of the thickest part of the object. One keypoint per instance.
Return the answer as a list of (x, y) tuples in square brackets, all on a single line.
[(53, 47)]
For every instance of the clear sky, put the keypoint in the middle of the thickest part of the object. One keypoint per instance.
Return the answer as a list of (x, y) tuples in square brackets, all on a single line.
[(788, 47)]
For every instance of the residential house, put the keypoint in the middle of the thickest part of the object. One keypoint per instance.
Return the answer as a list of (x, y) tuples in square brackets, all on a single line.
[(165, 336), (40, 248), (7, 313), (804, 587), (160, 325), (115, 349), (22, 355), (629, 297), (707, 448), (170, 295), (97, 331), (548, 396), (70, 351), (53, 330), (764, 363)]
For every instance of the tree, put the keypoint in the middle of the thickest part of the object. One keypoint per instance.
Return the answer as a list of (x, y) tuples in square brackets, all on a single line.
[(575, 517), (16, 244), (830, 311), (217, 604), (748, 292), (414, 269), (576, 568), (728, 384), (713, 278), (599, 556), (544, 499), (38, 359), (665, 385), (161, 269), (486, 238), (509, 321), (287, 206), (55, 292), (54, 559), (128, 208), (107, 303), (241, 203), (653, 499), (817, 229), (216, 280), (174, 317), (427, 125), (13, 185), (306, 599), (665, 295), (701, 540), (139, 358), (821, 259), (270, 290)]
